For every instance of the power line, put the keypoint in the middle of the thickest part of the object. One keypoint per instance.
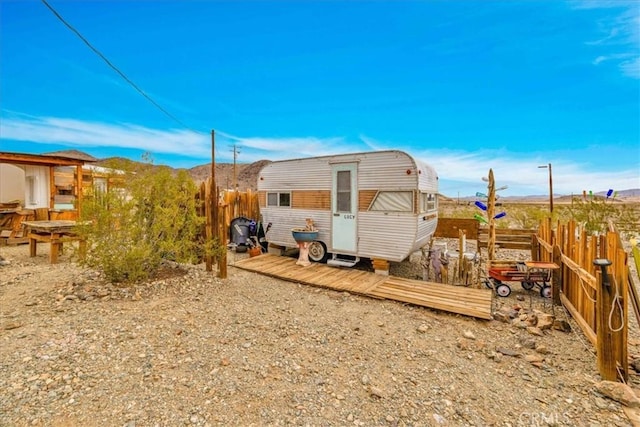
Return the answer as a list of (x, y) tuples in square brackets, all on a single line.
[(123, 75)]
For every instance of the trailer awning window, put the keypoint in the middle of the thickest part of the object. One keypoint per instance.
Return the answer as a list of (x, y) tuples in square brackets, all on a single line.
[(428, 202), (279, 199), (393, 201)]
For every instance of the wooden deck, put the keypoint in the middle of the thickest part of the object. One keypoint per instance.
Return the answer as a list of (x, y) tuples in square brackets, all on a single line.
[(453, 299)]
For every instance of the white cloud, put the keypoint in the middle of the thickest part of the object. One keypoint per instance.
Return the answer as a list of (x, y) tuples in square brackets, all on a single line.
[(78, 133), (460, 172), (621, 31)]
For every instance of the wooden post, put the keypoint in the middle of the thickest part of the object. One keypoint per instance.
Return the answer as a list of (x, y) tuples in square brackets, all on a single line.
[(52, 187), (79, 189), (222, 240), (605, 343), (556, 280), (208, 228), (491, 208)]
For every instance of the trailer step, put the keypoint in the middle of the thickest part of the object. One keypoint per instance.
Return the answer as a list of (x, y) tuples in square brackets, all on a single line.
[(342, 262)]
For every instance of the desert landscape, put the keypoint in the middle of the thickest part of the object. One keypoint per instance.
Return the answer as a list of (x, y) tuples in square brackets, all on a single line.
[(188, 348)]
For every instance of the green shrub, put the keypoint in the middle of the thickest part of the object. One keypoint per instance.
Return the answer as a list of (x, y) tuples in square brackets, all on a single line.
[(147, 215)]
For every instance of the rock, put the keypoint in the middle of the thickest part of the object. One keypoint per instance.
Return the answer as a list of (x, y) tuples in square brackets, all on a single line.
[(533, 358), (376, 392), (469, 335), (533, 330), (545, 321), (542, 349), (501, 316), (528, 342), (561, 325), (619, 392), (423, 328), (505, 314), (508, 352), (11, 325), (519, 324)]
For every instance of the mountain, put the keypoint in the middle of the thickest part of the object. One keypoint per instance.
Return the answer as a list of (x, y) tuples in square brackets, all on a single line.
[(246, 174)]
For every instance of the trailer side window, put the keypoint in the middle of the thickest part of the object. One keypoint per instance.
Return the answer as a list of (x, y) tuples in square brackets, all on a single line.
[(393, 201), (279, 199), (429, 202)]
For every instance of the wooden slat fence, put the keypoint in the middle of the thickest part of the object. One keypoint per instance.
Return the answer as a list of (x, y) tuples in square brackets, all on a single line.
[(229, 204), (581, 291)]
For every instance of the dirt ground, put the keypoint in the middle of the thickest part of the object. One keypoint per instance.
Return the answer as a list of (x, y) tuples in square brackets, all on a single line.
[(190, 349)]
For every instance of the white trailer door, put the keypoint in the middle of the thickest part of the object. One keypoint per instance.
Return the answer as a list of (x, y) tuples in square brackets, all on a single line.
[(344, 205)]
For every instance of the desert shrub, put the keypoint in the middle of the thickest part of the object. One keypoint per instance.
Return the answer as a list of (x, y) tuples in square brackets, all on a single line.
[(594, 213), (148, 214), (527, 216)]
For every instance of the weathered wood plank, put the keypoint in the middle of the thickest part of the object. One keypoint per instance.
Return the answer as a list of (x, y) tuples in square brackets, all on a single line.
[(460, 300)]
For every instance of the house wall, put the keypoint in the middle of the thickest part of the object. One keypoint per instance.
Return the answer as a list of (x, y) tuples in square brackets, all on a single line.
[(12, 183), (36, 192)]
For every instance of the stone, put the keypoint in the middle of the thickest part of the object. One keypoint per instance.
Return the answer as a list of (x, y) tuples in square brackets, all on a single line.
[(508, 352), (11, 325), (542, 349), (619, 392), (469, 335), (376, 392), (528, 342), (545, 321), (533, 330), (561, 325)]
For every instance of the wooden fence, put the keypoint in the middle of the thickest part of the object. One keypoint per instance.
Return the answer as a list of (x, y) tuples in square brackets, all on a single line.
[(599, 310), (219, 208)]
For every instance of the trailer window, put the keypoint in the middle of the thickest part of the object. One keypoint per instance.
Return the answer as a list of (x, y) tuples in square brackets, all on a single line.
[(344, 191), (393, 201), (279, 199), (428, 202)]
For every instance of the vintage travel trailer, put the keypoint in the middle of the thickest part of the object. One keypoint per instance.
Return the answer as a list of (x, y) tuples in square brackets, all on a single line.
[(380, 205)]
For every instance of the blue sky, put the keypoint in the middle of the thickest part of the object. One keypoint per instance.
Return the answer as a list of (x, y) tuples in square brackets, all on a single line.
[(463, 85)]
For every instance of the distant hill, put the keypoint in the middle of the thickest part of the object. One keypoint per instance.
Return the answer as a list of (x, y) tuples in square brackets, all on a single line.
[(246, 174)]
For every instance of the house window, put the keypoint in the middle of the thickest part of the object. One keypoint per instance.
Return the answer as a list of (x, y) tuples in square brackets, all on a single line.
[(279, 199), (393, 201), (428, 202)]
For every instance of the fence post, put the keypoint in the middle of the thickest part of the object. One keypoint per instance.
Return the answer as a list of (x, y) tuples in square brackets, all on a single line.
[(556, 281), (605, 344)]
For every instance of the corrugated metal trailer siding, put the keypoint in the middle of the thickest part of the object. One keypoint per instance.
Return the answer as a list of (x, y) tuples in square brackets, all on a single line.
[(303, 174), (391, 236), (290, 218), (386, 170)]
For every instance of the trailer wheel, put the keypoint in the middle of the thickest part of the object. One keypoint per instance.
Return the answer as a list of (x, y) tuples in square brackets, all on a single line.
[(318, 251), (528, 285), (545, 291), (503, 290)]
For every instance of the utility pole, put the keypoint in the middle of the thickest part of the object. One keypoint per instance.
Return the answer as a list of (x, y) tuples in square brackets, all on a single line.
[(217, 225), (236, 151), (550, 187)]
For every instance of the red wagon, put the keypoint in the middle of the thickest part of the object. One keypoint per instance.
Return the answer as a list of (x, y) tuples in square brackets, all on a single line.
[(530, 274)]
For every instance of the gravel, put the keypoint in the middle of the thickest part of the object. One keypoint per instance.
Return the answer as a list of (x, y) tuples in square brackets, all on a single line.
[(190, 349)]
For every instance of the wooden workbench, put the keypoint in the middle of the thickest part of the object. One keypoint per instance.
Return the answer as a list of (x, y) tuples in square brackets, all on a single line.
[(55, 233)]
